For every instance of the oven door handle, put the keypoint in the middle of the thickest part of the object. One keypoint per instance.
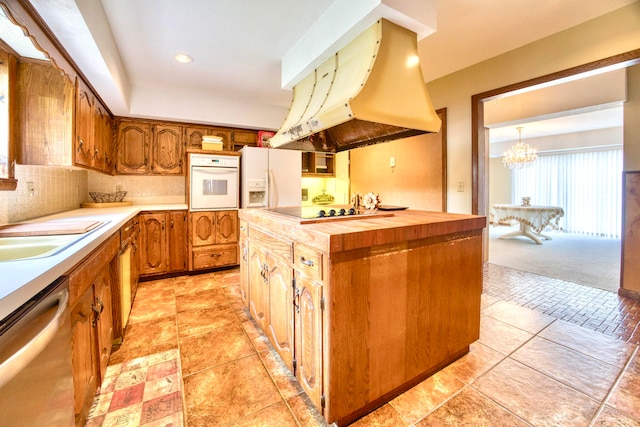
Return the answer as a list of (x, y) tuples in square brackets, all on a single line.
[(21, 358)]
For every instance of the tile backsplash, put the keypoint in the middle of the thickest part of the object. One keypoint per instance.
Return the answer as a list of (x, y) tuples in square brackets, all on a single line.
[(45, 190), (42, 190), (141, 190)]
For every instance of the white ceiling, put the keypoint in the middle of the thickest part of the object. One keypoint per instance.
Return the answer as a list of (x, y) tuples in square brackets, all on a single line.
[(126, 48), (582, 121)]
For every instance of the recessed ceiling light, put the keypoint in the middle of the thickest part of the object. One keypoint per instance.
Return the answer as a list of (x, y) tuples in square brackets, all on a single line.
[(183, 57)]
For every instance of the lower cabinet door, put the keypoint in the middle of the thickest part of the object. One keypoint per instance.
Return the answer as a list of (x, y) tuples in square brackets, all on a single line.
[(280, 309), (104, 323), (308, 333), (244, 272), (258, 286), (84, 361)]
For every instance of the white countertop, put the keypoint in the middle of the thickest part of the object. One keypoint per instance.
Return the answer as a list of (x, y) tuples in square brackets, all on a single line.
[(22, 279)]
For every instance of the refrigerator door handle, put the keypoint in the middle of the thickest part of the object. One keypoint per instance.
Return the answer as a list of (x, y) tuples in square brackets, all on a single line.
[(273, 190), (267, 189)]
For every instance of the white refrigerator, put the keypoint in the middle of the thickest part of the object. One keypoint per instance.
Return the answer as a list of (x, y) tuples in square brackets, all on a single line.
[(270, 177)]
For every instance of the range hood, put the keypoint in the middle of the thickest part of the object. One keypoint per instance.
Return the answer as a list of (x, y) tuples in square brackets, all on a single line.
[(370, 91)]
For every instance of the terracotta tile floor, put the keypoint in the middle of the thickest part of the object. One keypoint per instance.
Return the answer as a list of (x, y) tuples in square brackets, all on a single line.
[(550, 353)]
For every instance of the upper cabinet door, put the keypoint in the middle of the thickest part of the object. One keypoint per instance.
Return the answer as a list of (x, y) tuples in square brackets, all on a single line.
[(194, 136), (84, 149), (133, 146), (167, 150), (103, 139)]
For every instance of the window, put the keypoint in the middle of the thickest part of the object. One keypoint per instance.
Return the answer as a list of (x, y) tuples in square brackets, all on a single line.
[(587, 185)]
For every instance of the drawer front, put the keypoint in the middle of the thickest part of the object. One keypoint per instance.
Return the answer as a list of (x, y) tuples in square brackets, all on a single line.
[(279, 247), (127, 231), (215, 256), (308, 261), (84, 274)]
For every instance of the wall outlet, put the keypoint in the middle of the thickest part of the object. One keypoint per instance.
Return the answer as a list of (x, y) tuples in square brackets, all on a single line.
[(461, 186)]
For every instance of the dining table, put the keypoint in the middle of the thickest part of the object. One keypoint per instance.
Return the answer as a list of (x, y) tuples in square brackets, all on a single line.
[(533, 219)]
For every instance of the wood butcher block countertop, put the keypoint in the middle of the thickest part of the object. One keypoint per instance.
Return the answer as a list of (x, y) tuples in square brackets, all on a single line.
[(336, 236)]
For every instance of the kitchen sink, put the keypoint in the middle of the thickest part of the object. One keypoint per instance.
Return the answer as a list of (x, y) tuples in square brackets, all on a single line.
[(17, 248), (31, 247)]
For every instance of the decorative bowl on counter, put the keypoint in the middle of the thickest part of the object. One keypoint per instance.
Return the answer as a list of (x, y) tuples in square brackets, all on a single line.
[(118, 196)]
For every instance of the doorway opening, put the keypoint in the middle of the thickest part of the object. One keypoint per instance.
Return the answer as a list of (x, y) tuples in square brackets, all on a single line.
[(481, 203)]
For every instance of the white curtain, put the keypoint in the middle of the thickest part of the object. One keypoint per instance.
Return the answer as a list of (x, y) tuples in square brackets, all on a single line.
[(587, 185)]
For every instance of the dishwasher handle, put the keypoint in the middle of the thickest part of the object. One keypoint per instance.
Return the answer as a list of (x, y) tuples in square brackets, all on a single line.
[(21, 358)]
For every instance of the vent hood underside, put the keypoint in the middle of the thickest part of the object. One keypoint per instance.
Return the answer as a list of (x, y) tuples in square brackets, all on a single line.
[(371, 91)]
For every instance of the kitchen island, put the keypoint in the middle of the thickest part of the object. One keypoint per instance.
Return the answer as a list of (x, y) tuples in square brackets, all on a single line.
[(361, 309)]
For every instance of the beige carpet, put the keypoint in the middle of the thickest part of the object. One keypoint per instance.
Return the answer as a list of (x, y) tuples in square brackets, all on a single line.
[(590, 261)]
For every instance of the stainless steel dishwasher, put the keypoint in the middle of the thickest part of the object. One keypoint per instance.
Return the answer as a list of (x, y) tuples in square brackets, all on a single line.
[(36, 382)]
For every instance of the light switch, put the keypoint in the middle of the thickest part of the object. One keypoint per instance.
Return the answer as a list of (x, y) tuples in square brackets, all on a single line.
[(461, 186), (392, 162)]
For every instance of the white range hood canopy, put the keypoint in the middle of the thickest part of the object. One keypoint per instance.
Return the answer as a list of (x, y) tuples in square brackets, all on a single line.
[(370, 91)]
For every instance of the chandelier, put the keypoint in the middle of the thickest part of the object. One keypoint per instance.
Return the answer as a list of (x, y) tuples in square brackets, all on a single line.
[(520, 156)]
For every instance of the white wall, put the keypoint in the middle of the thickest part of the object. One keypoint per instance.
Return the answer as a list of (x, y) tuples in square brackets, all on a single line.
[(600, 38), (632, 121)]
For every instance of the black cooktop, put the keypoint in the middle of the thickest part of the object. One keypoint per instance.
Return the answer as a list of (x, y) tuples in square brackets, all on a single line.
[(315, 211)]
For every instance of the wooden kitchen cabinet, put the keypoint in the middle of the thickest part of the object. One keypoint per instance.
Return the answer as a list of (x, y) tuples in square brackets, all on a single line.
[(85, 361), (213, 239), (308, 333), (149, 148), (242, 137), (376, 305), (167, 149), (280, 286), (194, 134), (90, 308), (259, 286), (45, 115), (315, 164), (177, 241), (271, 291), (133, 142), (103, 319), (162, 242), (60, 122), (244, 262), (104, 138), (93, 142)]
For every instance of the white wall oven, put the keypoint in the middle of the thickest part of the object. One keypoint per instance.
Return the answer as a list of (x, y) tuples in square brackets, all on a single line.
[(213, 182)]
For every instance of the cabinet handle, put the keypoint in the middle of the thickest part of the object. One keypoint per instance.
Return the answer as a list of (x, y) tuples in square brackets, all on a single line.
[(163, 224), (98, 310), (296, 299), (215, 255), (242, 228), (171, 223), (244, 254), (307, 262)]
